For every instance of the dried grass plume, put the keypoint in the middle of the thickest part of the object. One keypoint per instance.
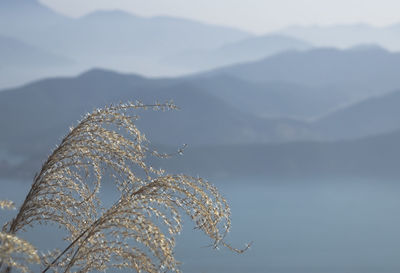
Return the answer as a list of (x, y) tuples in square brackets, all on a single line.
[(15, 252), (138, 230)]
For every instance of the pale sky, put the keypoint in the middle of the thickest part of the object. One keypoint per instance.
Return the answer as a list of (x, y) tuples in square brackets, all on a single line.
[(258, 16)]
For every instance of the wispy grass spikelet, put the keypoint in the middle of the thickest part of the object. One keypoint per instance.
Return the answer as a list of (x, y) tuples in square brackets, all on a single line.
[(15, 252), (5, 204), (138, 230)]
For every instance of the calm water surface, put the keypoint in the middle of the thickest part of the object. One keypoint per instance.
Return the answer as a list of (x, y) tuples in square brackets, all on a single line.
[(332, 226)]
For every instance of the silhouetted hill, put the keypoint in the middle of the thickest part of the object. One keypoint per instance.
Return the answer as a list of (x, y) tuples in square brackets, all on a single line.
[(375, 157), (357, 72), (111, 39), (34, 117), (112, 33), (17, 54), (222, 139), (372, 116), (347, 35), (250, 49), (27, 21), (273, 99), (21, 62), (23, 18), (121, 33), (8, 6)]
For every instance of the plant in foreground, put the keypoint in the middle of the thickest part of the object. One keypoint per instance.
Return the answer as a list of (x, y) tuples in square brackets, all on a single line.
[(138, 230), (15, 252)]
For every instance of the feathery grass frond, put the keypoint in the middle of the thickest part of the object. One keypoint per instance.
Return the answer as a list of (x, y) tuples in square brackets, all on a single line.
[(138, 230), (15, 252), (5, 204)]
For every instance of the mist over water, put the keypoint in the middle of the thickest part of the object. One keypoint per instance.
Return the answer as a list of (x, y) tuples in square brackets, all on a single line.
[(330, 226)]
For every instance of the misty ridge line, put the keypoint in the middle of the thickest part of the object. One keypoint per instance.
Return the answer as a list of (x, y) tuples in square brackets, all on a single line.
[(88, 86), (200, 47), (262, 90)]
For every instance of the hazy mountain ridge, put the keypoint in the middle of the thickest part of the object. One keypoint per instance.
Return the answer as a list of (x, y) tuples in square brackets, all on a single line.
[(250, 49), (371, 116), (321, 66), (17, 54), (356, 74), (272, 99), (222, 88), (308, 84), (345, 36), (251, 109), (22, 19), (116, 32), (37, 115), (120, 32), (112, 39), (366, 158)]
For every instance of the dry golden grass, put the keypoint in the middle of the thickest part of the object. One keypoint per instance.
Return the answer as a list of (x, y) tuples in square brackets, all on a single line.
[(15, 252), (138, 230)]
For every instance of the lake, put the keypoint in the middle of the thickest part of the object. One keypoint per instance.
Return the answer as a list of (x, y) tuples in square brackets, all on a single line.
[(325, 226)]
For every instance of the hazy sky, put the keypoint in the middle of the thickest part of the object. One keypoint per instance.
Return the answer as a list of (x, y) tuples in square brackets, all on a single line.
[(254, 15)]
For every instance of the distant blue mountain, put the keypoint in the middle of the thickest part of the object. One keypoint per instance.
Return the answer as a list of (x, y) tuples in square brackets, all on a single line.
[(24, 18), (34, 117), (273, 99), (105, 35), (109, 32), (20, 4), (250, 49), (359, 73), (17, 54), (21, 62), (347, 35), (372, 116), (223, 139), (112, 39)]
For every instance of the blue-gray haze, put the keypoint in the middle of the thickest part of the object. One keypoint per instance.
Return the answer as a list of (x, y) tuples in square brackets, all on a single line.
[(300, 128)]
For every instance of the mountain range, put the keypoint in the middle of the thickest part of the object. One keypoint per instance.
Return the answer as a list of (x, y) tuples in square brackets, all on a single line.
[(366, 158), (345, 36), (272, 105), (117, 40), (14, 53), (271, 99), (369, 117), (224, 106), (35, 117), (23, 19), (250, 49), (112, 39), (356, 73)]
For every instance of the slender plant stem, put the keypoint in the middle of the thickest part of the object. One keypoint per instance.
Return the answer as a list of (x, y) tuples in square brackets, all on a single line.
[(66, 249)]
